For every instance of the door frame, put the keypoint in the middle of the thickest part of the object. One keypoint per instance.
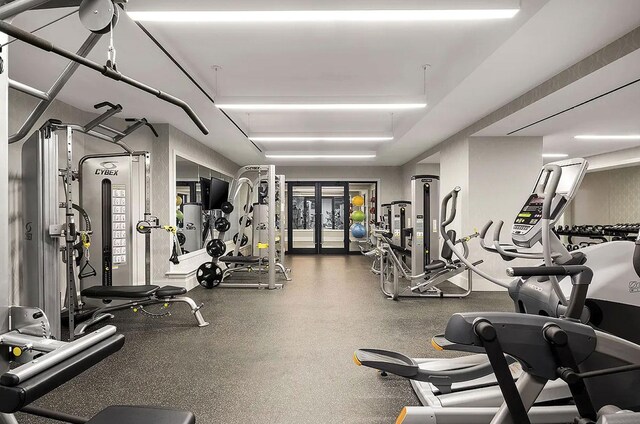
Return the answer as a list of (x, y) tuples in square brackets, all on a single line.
[(345, 233), (317, 249)]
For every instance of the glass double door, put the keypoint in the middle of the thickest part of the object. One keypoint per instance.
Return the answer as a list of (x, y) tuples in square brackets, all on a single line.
[(318, 217)]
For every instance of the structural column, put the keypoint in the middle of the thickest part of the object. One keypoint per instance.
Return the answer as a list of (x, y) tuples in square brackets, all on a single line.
[(5, 281), (496, 175)]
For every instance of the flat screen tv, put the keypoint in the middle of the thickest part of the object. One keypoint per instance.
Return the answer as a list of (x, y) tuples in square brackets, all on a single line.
[(213, 192)]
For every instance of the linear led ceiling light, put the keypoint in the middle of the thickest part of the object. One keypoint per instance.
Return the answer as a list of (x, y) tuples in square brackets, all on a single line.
[(608, 137), (320, 106), (554, 155), (254, 16), (318, 138), (314, 156)]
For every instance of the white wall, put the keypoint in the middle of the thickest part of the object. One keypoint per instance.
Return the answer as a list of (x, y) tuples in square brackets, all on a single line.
[(502, 173), (607, 197), (496, 175)]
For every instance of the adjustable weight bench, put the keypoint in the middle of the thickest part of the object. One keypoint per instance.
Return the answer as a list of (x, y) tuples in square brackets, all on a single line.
[(247, 264), (21, 386), (138, 297)]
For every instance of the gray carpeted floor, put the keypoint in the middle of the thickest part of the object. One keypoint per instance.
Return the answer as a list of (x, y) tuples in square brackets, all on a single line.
[(281, 356)]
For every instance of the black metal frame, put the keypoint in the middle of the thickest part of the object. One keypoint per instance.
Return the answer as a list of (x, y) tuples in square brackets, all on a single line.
[(318, 249)]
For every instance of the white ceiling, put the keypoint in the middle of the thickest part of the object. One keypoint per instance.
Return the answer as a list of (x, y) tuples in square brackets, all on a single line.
[(475, 67), (615, 113)]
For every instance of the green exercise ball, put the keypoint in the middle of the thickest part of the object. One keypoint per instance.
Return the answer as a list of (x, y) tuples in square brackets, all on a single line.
[(357, 216)]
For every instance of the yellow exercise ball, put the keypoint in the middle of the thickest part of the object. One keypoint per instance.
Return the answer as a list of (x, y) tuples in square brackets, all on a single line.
[(357, 200), (178, 200)]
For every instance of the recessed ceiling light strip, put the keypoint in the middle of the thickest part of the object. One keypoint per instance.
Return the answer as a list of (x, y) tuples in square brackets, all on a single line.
[(319, 106), (319, 156), (266, 16), (608, 137), (318, 138)]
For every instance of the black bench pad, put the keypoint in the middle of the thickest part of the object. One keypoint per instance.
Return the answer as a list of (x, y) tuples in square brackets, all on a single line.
[(170, 291), (435, 265), (239, 259), (141, 415), (119, 292)]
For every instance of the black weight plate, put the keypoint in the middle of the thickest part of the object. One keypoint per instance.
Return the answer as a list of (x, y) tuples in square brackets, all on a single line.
[(222, 224), (250, 208), (244, 242), (247, 221), (209, 275), (216, 248), (181, 238), (227, 207)]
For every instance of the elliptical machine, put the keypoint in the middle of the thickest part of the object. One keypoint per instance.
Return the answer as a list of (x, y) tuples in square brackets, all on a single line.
[(446, 385)]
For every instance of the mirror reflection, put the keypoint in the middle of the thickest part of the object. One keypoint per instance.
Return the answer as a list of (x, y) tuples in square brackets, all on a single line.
[(200, 192)]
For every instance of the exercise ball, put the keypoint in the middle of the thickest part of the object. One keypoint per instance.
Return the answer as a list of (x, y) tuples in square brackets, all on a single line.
[(357, 216), (358, 230), (357, 200), (179, 215), (178, 201)]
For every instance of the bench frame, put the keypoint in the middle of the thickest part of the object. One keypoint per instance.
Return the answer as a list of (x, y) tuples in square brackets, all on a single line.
[(104, 313)]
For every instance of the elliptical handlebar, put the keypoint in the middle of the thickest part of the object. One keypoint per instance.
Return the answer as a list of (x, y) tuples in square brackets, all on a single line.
[(453, 197), (548, 188), (581, 277)]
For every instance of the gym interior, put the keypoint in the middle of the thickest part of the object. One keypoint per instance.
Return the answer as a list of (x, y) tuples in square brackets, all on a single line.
[(336, 211)]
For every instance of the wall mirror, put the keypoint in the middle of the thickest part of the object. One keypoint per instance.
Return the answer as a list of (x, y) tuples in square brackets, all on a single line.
[(199, 191)]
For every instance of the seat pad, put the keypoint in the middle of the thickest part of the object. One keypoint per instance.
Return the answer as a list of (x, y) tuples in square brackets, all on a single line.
[(239, 259), (400, 249), (435, 265), (119, 292), (170, 291), (142, 415)]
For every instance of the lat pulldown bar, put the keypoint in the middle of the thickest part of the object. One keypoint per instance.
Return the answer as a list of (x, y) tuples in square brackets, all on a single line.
[(47, 46)]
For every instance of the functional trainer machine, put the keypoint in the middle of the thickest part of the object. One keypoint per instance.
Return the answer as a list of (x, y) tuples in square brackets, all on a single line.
[(43, 229), (120, 272), (263, 212), (400, 222), (429, 274), (425, 196)]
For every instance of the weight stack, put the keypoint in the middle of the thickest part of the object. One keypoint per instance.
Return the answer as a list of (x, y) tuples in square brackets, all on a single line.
[(260, 228), (192, 226)]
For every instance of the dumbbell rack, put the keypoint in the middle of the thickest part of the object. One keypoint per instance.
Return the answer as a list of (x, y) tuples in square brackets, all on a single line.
[(599, 233)]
